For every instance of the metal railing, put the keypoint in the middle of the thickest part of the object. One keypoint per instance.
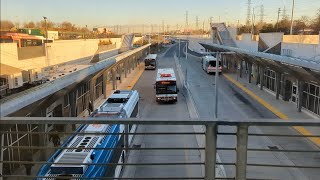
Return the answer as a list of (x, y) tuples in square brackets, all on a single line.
[(210, 136)]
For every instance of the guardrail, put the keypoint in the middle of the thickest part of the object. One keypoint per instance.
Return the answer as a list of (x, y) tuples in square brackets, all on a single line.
[(211, 135)]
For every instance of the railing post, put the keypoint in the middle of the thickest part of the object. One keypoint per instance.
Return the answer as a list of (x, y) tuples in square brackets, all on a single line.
[(1, 153), (242, 144), (126, 138), (210, 151)]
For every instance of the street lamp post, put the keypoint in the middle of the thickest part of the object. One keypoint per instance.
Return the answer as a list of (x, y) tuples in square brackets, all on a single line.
[(46, 43), (292, 17)]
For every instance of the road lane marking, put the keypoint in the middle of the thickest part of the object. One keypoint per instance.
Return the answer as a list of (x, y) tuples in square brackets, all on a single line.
[(278, 113)]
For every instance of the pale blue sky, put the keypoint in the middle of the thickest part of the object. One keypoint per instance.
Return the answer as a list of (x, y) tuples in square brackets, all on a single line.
[(112, 12)]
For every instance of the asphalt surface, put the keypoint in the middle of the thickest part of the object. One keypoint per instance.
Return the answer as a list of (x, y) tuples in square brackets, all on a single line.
[(149, 108), (233, 104)]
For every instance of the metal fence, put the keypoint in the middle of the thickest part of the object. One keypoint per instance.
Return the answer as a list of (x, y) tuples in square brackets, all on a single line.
[(210, 135)]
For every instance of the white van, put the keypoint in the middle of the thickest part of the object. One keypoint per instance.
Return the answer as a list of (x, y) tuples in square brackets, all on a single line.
[(209, 64)]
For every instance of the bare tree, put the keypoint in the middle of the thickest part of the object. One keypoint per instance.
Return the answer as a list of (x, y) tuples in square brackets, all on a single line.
[(315, 25), (30, 24), (6, 25)]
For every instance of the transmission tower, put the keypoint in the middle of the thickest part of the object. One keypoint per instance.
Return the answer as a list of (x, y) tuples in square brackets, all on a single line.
[(284, 13), (187, 24), (197, 23), (261, 14), (248, 21)]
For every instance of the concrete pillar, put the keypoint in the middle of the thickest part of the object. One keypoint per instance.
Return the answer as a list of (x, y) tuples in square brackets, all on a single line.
[(250, 72), (104, 84), (278, 84), (114, 80), (210, 152), (300, 94), (241, 151), (261, 74)]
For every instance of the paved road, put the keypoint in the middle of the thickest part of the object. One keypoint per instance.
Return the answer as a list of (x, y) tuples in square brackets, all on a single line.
[(149, 108), (233, 104)]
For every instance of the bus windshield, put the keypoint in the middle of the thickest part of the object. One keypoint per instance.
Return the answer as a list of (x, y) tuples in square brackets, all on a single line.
[(150, 62), (166, 88)]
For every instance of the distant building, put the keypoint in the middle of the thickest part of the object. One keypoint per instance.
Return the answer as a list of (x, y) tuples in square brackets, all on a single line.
[(102, 30), (30, 31), (53, 35)]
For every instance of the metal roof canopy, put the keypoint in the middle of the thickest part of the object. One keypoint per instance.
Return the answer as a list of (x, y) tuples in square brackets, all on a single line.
[(296, 67)]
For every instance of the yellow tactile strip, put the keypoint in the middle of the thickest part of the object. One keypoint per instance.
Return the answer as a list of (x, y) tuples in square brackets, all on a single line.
[(300, 129)]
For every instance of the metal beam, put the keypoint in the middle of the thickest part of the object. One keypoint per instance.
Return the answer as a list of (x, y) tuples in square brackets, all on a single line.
[(312, 64), (316, 76), (184, 121)]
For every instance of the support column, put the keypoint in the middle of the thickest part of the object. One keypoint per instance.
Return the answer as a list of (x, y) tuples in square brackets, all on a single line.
[(92, 91), (250, 72), (283, 86), (258, 75), (125, 65), (120, 73), (242, 145), (129, 65), (42, 142), (241, 68), (300, 93), (104, 84), (261, 77), (278, 84), (210, 151), (132, 62), (1, 153), (114, 80)]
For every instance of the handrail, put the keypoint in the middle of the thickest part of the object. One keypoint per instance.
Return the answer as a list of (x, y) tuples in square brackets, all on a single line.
[(210, 148)]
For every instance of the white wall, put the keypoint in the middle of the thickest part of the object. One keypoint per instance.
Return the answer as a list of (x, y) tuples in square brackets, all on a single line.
[(304, 51), (271, 39), (247, 43), (58, 52)]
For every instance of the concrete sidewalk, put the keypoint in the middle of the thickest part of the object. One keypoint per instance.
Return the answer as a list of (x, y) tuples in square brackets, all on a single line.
[(283, 109), (127, 84)]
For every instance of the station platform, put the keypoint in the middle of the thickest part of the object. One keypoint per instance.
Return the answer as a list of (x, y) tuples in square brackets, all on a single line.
[(127, 83), (282, 109)]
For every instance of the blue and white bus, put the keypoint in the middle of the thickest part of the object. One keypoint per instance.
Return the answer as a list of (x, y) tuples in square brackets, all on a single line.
[(121, 104)]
